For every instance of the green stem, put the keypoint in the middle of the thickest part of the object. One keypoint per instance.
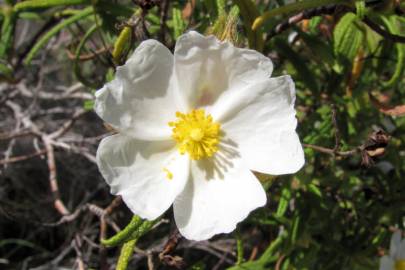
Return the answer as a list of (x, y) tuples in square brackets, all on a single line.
[(125, 234), (84, 13), (239, 248), (294, 7), (145, 227), (126, 252)]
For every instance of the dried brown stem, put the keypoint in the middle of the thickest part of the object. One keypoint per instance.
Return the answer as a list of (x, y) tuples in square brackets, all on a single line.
[(22, 157), (67, 125), (14, 135), (332, 152), (88, 56), (53, 180)]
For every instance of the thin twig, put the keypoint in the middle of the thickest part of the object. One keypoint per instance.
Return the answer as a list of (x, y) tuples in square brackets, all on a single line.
[(377, 28), (336, 127), (67, 125), (327, 10), (88, 56), (14, 135), (53, 180), (22, 157), (164, 8), (332, 152), (306, 14)]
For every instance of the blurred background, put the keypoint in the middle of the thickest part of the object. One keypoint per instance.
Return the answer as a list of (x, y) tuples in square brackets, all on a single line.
[(338, 212)]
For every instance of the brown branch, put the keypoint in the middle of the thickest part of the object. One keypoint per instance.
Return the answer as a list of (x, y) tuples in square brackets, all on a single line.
[(114, 204), (77, 245), (332, 152), (164, 8), (304, 15), (88, 56), (331, 9), (14, 135), (53, 180), (279, 261), (22, 157), (67, 125), (373, 146), (377, 28)]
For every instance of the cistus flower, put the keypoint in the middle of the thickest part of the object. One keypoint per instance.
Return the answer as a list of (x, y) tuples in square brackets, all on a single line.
[(192, 128), (396, 258)]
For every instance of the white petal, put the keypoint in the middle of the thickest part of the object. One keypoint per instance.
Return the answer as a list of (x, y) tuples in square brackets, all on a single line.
[(137, 170), (206, 67), (142, 99), (261, 121), (218, 196), (395, 243), (386, 263)]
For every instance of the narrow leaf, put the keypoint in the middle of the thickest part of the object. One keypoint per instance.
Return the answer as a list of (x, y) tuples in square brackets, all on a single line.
[(34, 4), (52, 32)]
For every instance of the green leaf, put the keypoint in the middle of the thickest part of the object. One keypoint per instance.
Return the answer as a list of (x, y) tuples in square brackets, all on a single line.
[(347, 37), (76, 64), (315, 190), (7, 32), (360, 9), (392, 26), (313, 23), (35, 4), (283, 203), (179, 25), (294, 229)]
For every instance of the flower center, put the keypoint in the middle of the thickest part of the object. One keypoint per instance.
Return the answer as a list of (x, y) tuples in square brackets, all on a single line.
[(400, 265), (196, 133)]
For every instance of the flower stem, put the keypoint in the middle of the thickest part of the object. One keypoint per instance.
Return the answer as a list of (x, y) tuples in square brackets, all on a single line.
[(125, 255), (125, 234), (239, 247)]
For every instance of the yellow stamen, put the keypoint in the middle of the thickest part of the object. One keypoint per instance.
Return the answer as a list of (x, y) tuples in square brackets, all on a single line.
[(196, 133), (400, 265), (169, 174)]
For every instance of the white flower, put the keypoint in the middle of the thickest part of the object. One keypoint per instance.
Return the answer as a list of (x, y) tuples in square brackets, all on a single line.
[(191, 127), (396, 258)]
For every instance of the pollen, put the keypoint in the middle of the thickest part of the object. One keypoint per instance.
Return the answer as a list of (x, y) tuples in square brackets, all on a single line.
[(196, 134), (169, 174)]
